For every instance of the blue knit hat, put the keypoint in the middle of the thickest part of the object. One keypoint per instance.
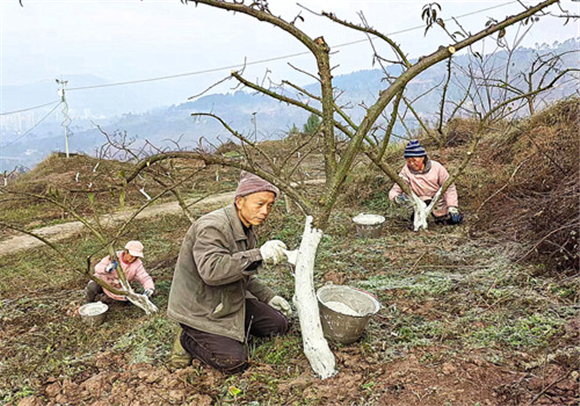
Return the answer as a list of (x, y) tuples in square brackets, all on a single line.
[(414, 149)]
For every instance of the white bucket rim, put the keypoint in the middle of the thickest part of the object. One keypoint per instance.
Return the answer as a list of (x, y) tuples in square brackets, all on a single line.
[(367, 219), (102, 307), (345, 287)]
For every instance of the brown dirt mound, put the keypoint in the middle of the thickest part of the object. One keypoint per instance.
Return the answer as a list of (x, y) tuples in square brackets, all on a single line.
[(71, 180), (534, 197), (460, 131)]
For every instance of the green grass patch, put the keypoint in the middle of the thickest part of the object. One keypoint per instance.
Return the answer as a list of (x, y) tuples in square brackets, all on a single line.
[(379, 202), (415, 330), (534, 330), (150, 342), (14, 397), (427, 284), (23, 213), (277, 350)]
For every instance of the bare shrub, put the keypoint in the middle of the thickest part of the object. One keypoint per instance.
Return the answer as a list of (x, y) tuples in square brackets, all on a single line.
[(460, 131), (536, 200)]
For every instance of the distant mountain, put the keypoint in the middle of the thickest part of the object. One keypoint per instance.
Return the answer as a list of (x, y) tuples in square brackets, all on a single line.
[(239, 109)]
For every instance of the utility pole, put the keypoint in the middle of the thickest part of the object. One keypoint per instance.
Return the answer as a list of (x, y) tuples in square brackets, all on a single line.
[(255, 126), (64, 111)]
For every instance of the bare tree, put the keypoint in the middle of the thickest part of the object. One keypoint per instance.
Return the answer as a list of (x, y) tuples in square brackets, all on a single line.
[(96, 228), (498, 79), (341, 140), (83, 203)]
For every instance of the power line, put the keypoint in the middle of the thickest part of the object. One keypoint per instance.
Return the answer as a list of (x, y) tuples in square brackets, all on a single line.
[(179, 75), (35, 125), (29, 108), (189, 73)]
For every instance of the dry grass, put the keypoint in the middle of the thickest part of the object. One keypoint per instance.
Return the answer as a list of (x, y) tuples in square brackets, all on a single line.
[(80, 178), (523, 184), (460, 322), (532, 196)]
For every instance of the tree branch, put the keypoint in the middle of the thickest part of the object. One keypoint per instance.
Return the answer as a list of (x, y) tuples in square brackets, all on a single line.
[(239, 136), (289, 100), (210, 159), (371, 31), (442, 104)]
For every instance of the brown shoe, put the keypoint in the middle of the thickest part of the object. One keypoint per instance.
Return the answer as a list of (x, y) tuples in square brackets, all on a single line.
[(179, 357)]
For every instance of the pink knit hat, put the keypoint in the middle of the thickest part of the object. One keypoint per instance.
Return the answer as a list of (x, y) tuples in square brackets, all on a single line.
[(250, 184), (135, 248)]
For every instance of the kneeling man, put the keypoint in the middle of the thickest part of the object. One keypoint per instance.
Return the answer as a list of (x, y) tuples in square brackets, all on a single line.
[(216, 295)]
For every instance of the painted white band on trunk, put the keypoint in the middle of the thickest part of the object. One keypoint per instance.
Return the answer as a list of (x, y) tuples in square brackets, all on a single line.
[(315, 345)]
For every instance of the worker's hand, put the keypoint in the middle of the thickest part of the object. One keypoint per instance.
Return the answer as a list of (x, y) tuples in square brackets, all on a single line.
[(402, 199), (149, 293), (280, 304), (455, 214), (112, 266), (273, 251)]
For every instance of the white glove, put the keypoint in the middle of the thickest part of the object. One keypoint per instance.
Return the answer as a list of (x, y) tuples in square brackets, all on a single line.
[(280, 304), (455, 214), (149, 292), (273, 251), (453, 210)]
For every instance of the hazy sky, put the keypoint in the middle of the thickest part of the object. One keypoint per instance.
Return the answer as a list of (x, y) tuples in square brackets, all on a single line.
[(131, 39)]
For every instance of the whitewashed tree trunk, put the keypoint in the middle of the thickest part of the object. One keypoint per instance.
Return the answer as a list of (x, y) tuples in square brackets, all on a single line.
[(288, 204), (315, 345), (422, 211), (138, 300)]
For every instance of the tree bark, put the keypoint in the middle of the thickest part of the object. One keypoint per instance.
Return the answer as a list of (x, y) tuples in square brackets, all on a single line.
[(315, 345)]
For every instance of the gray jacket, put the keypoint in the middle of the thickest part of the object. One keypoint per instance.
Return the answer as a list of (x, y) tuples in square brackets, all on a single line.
[(211, 282)]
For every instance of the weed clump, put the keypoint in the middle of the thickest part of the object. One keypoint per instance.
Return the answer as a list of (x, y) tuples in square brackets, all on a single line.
[(460, 130), (369, 187), (535, 198)]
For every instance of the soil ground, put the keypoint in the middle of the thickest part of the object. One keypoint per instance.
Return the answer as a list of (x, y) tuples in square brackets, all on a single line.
[(467, 317), (460, 323), (63, 231)]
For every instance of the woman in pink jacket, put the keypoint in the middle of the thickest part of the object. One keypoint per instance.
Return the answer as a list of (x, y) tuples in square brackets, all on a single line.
[(130, 263), (425, 177)]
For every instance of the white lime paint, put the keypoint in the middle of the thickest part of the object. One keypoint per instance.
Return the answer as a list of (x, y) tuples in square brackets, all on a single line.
[(315, 345), (368, 219)]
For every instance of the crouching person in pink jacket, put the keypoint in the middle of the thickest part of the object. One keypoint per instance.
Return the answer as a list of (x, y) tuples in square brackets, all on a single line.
[(130, 263), (425, 177)]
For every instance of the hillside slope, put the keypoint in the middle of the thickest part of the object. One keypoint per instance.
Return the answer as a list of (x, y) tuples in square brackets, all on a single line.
[(467, 317)]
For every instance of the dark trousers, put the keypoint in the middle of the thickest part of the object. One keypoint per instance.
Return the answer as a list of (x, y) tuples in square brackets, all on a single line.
[(229, 355), (92, 290), (444, 219)]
